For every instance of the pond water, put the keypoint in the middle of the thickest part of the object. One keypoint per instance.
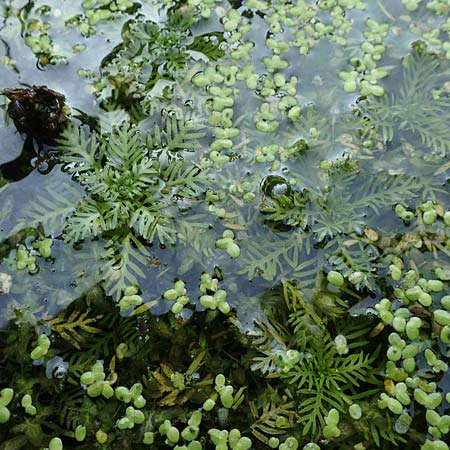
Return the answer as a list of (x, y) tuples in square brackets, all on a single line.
[(245, 221)]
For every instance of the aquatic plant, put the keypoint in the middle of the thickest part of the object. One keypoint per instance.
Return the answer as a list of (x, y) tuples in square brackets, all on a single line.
[(399, 113), (232, 257)]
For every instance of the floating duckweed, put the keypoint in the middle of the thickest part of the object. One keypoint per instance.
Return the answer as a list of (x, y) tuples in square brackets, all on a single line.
[(331, 430), (173, 435), (209, 404), (436, 285), (434, 362), (413, 328), (25, 260), (403, 423), (4, 414), (326, 164), (6, 395), (55, 444), (442, 274), (42, 348), (401, 212), (445, 302), (335, 278), (27, 403), (447, 218), (80, 433), (149, 438), (189, 433), (44, 247), (355, 411), (233, 20), (136, 416), (274, 442), (329, 228), (429, 216), (226, 396), (401, 394), (425, 299), (349, 79), (311, 446), (340, 343), (101, 436), (445, 334), (124, 423), (357, 277), (227, 243), (442, 317), (290, 443), (391, 403), (396, 273)]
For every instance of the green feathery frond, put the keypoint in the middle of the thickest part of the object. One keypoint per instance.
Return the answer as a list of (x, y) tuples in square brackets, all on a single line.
[(414, 108), (178, 133), (50, 208), (79, 152), (76, 327), (125, 264), (321, 378), (87, 221), (272, 419)]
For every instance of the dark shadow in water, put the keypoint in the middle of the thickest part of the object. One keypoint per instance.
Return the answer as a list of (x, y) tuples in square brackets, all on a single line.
[(34, 155)]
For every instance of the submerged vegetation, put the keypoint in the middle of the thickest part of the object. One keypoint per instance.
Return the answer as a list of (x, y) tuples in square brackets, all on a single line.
[(245, 243)]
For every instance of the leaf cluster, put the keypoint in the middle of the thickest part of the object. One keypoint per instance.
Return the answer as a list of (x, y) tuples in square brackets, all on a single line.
[(133, 181), (322, 378)]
